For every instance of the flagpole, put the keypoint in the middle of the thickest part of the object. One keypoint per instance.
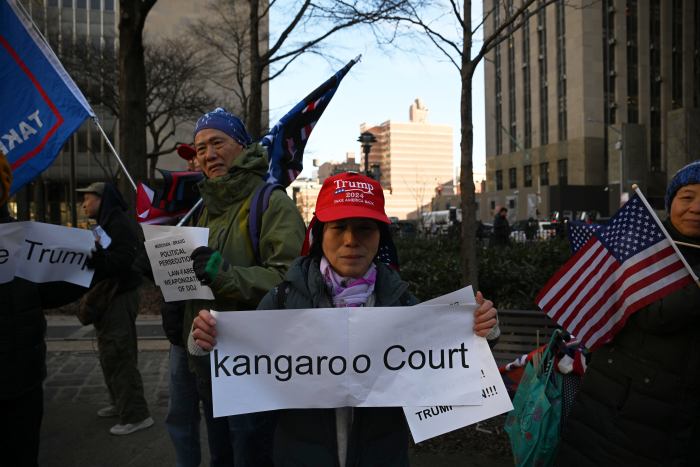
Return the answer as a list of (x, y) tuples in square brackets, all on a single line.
[(187, 216), (114, 151), (663, 229)]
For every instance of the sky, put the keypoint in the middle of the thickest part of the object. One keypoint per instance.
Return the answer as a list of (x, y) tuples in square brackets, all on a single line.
[(381, 87)]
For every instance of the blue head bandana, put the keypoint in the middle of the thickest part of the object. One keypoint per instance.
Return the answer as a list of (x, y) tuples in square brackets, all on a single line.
[(222, 120), (688, 175)]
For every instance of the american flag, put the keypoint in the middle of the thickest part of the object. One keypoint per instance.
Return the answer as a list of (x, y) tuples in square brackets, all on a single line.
[(286, 140), (579, 233), (624, 266)]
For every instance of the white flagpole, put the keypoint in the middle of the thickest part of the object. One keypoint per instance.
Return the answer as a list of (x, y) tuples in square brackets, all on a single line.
[(114, 151), (663, 229)]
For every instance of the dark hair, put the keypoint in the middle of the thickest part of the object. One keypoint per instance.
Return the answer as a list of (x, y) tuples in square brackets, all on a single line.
[(316, 250)]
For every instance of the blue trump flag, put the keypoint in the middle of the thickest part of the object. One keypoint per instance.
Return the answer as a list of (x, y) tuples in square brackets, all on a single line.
[(286, 140), (42, 106)]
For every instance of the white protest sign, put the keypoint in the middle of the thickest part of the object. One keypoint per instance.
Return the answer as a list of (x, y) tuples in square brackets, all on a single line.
[(11, 242), (54, 253), (169, 249), (428, 422), (337, 357)]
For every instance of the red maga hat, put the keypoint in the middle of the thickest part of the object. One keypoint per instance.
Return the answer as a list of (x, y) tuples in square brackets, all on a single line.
[(350, 194), (186, 151)]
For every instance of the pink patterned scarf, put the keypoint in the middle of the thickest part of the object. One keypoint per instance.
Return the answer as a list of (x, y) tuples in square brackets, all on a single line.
[(349, 292)]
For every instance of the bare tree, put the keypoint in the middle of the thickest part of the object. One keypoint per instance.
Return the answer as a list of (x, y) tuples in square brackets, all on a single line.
[(236, 31), (132, 90), (175, 79), (434, 23), (175, 88)]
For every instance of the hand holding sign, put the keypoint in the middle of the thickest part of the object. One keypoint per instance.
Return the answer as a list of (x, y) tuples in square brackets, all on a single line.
[(484, 316), (204, 330)]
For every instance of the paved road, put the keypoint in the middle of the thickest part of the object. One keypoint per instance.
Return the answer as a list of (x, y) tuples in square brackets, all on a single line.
[(72, 435)]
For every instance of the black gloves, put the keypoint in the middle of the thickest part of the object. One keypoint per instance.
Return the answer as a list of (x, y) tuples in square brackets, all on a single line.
[(206, 264)]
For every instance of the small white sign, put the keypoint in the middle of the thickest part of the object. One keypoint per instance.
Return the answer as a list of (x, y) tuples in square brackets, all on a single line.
[(169, 249), (102, 237), (45, 253), (429, 422), (339, 357)]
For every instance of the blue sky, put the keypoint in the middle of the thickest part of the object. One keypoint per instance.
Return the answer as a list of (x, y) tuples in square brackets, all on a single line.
[(381, 87)]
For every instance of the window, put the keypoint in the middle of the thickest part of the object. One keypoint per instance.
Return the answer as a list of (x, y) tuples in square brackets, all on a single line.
[(527, 104), (513, 177), (81, 4), (499, 180), (561, 70), (542, 69), (609, 61), (511, 203), (95, 4), (655, 85), (677, 54), (527, 176), (109, 5), (493, 205), (512, 115), (562, 172), (499, 96), (544, 173), (632, 63)]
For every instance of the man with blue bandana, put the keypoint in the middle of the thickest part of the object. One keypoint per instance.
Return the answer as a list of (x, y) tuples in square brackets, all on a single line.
[(234, 167)]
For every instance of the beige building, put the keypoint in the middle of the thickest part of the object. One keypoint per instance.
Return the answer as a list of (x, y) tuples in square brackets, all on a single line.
[(582, 102), (415, 159)]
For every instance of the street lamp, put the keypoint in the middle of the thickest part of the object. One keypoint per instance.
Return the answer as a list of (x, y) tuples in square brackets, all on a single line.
[(367, 139)]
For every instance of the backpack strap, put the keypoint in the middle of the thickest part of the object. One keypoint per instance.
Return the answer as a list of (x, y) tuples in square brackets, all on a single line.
[(258, 205)]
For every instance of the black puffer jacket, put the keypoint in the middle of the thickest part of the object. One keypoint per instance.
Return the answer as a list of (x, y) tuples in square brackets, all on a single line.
[(117, 260), (23, 327), (639, 403), (379, 436)]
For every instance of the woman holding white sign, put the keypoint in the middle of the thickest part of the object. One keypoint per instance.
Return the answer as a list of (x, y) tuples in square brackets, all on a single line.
[(343, 265)]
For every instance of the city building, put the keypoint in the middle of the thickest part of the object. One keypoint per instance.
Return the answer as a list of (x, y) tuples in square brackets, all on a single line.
[(68, 24), (415, 161), (328, 169), (585, 100), (75, 26)]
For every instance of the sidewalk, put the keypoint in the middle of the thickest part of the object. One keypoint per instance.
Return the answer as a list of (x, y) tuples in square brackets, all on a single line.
[(73, 435)]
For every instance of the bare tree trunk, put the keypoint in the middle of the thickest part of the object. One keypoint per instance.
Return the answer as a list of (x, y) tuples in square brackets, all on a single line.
[(254, 116), (132, 93), (466, 179)]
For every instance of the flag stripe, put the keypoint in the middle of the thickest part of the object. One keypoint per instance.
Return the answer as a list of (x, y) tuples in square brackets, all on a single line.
[(587, 296), (672, 283), (616, 282), (633, 282), (623, 266), (564, 275), (632, 300)]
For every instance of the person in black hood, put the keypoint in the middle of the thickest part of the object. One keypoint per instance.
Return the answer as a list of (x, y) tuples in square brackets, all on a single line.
[(116, 246), (23, 350)]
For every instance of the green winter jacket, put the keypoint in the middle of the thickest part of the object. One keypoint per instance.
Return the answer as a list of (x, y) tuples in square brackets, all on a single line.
[(226, 207)]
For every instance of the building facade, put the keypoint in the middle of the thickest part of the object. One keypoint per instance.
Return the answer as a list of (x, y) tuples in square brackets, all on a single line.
[(585, 100), (75, 26), (415, 160)]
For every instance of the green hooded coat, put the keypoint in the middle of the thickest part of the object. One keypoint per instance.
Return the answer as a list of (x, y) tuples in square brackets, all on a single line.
[(242, 284)]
